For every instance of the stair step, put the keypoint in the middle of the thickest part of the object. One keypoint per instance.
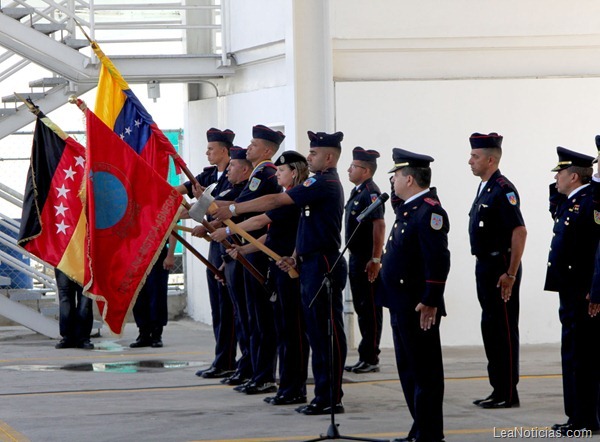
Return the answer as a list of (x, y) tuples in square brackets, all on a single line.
[(76, 43), (25, 296), (5, 112), (17, 13), (48, 82), (49, 310), (49, 28), (4, 280), (33, 95)]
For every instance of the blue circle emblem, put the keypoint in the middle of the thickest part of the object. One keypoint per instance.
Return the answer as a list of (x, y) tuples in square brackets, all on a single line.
[(110, 198)]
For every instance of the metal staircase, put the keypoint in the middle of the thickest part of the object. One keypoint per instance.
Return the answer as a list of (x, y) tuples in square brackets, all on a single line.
[(46, 33)]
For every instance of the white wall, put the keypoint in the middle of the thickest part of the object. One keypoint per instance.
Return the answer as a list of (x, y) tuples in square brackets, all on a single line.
[(437, 117)]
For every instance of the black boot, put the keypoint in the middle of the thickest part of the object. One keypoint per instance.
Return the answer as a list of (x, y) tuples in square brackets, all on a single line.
[(156, 338), (144, 339)]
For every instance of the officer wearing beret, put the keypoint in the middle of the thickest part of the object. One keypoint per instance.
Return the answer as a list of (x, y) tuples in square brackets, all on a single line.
[(365, 248), (292, 340), (497, 233), (321, 200), (576, 214), (217, 152), (263, 345), (414, 268)]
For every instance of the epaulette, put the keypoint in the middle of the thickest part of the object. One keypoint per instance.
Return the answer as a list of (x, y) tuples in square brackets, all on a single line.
[(502, 182), (432, 202), (264, 165)]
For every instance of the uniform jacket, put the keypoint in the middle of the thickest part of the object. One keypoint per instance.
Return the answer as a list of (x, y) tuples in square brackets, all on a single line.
[(575, 240), (361, 198), (493, 217), (416, 259)]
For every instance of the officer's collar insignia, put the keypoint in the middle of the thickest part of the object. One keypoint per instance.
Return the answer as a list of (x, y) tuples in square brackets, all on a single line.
[(437, 221), (431, 201), (254, 183), (512, 198), (309, 182)]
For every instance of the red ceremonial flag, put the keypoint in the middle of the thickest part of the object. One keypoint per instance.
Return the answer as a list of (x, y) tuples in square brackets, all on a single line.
[(119, 108), (130, 211), (52, 226)]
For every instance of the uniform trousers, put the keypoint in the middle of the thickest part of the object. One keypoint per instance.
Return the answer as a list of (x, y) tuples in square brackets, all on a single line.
[(319, 316), (581, 374), (222, 314), (499, 326), (370, 315), (421, 371), (234, 275), (75, 310), (150, 310), (292, 340), (261, 322)]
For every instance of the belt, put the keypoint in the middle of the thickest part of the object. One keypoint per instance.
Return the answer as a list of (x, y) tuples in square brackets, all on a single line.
[(492, 254), (306, 256)]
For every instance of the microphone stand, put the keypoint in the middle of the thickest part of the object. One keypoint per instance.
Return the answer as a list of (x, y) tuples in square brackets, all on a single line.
[(332, 430)]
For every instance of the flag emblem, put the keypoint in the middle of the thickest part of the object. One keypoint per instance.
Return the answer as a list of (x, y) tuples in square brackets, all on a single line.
[(437, 221), (512, 198)]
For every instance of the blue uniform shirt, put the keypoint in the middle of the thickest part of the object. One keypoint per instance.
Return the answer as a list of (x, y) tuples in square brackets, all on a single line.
[(416, 259), (281, 237), (361, 198), (321, 202), (493, 217)]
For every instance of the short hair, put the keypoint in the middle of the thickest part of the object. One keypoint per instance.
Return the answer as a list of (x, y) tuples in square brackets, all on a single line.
[(226, 144), (270, 144), (491, 152), (585, 173), (369, 165), (422, 175)]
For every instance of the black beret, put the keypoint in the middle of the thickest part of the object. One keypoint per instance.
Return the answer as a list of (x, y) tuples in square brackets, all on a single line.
[(483, 141), (568, 158), (266, 133), (369, 156), (322, 139), (224, 136), (403, 158), (290, 156), (237, 153)]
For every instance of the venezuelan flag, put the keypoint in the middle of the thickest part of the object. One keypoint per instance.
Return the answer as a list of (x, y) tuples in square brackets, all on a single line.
[(119, 108)]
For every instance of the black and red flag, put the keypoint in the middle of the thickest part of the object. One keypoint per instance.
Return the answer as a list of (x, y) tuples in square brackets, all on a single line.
[(52, 225)]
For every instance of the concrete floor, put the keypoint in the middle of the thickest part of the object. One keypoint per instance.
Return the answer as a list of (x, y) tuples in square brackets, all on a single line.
[(115, 393)]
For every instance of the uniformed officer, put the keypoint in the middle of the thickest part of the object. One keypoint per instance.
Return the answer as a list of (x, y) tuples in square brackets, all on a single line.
[(415, 264), (594, 296), (576, 215), (365, 249), (497, 233), (321, 200), (219, 143), (292, 340), (263, 344)]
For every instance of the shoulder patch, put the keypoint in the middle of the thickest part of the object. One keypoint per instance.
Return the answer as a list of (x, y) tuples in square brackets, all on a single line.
[(512, 198), (437, 221), (309, 182), (432, 202), (373, 197), (254, 183), (597, 217)]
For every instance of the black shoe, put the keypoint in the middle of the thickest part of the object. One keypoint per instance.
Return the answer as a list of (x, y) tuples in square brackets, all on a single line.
[(236, 379), (319, 409), (65, 343), (557, 427), (570, 430), (141, 341), (405, 439), (351, 367), (156, 343), (479, 401), (214, 373), (262, 388), (242, 387), (365, 367), (285, 400), (86, 345), (496, 403)]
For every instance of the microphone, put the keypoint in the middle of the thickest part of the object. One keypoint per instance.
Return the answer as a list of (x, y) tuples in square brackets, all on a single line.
[(378, 202)]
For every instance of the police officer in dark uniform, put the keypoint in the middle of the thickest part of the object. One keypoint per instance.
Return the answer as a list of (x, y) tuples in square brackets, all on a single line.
[(415, 265), (365, 249), (321, 200), (594, 296), (576, 215), (217, 153), (497, 233), (76, 316), (263, 343)]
